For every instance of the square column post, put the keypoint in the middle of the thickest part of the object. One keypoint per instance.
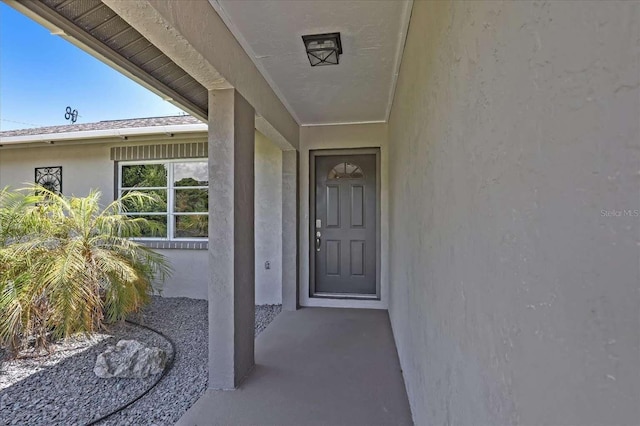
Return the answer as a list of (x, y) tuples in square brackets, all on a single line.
[(290, 230), (231, 239)]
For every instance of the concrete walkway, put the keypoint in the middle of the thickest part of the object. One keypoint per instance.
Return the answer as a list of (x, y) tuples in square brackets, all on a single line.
[(316, 366)]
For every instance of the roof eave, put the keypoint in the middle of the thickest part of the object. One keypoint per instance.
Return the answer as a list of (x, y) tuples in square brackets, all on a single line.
[(107, 133), (60, 26)]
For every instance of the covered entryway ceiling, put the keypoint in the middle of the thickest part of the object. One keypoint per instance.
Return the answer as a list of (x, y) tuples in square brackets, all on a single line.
[(358, 90)]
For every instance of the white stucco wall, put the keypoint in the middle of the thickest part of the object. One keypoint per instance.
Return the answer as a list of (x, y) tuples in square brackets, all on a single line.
[(87, 166), (83, 167), (515, 296), (189, 277), (343, 137), (268, 221)]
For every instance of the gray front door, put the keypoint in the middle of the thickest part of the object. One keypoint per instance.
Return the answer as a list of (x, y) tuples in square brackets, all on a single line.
[(345, 222)]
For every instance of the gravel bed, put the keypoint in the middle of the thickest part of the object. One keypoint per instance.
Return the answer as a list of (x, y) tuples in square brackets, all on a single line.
[(68, 393), (32, 362), (264, 315)]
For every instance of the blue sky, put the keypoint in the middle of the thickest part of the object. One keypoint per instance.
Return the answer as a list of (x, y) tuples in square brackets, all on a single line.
[(41, 74)]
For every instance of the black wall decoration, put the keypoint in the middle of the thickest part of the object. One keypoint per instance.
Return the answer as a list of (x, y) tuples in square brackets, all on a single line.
[(50, 178)]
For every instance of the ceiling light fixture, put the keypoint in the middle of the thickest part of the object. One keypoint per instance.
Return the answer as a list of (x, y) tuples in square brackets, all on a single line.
[(323, 49)]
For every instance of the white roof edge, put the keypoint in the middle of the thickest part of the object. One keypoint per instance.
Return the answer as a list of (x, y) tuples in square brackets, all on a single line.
[(106, 133), (344, 123), (406, 20)]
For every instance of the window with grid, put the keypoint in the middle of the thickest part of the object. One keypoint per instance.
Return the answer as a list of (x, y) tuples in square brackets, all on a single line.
[(182, 189)]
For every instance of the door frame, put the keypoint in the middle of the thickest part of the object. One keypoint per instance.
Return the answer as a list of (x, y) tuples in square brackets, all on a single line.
[(312, 220)]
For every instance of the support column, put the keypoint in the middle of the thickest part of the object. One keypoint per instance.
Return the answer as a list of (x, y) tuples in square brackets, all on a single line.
[(231, 239), (289, 230)]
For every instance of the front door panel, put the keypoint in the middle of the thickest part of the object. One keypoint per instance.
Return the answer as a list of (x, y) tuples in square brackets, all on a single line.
[(344, 234)]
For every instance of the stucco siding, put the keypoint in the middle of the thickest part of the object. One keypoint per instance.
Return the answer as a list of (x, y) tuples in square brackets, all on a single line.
[(514, 293), (188, 278), (268, 221), (83, 167)]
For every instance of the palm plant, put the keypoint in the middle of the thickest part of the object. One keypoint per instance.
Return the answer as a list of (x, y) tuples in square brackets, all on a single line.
[(68, 266)]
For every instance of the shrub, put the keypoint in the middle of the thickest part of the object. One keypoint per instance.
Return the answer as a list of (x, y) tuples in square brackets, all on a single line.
[(68, 266)]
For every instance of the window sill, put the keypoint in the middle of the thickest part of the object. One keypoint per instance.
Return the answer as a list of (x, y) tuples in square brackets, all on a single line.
[(180, 245)]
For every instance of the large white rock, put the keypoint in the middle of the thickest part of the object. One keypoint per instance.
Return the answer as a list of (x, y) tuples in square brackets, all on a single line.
[(130, 359)]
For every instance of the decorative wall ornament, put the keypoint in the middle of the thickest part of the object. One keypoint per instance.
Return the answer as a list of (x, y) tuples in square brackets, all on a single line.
[(50, 178)]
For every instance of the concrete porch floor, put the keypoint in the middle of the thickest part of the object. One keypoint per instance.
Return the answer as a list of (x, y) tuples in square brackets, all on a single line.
[(316, 366)]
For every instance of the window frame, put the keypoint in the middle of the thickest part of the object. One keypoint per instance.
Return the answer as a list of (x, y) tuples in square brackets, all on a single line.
[(170, 213)]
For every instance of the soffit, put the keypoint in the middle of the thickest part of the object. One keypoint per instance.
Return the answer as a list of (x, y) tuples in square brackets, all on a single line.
[(108, 36), (359, 89)]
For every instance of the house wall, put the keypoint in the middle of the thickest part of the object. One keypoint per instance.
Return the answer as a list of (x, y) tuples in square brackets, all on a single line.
[(514, 150), (347, 136), (189, 277), (83, 168), (268, 221), (88, 166)]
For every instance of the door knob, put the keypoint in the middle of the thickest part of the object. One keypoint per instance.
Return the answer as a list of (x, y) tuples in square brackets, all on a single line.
[(318, 242)]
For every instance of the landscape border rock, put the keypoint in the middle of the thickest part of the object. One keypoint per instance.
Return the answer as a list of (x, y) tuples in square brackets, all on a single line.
[(130, 359)]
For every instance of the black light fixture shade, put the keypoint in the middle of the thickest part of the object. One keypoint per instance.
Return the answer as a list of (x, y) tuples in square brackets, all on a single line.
[(323, 49)]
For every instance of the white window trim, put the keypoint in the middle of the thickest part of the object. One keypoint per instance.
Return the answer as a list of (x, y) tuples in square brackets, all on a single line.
[(170, 188)]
